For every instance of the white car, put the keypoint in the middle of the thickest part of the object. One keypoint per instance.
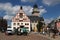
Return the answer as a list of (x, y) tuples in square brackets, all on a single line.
[(9, 31)]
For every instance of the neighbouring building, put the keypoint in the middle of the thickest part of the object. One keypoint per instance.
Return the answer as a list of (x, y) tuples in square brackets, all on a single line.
[(3, 24), (58, 24), (52, 24)]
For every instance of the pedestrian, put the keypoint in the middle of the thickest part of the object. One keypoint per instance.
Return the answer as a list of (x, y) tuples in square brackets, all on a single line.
[(44, 31), (48, 31)]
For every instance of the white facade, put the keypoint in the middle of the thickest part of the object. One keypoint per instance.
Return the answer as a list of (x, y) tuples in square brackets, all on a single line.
[(34, 25), (20, 24)]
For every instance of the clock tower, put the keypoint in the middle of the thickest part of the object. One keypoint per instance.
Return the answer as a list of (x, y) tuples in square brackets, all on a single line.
[(35, 10)]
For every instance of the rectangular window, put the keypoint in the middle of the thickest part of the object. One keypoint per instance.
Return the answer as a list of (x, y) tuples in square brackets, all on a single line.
[(21, 23), (17, 23), (26, 23), (14, 23)]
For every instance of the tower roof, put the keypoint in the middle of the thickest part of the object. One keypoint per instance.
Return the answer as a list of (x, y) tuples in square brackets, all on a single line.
[(21, 7), (35, 6), (35, 10)]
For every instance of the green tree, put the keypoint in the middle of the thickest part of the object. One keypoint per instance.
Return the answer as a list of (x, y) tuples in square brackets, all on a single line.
[(3, 24), (39, 25)]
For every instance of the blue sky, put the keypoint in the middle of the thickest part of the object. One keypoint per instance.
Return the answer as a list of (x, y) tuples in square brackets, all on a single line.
[(49, 9)]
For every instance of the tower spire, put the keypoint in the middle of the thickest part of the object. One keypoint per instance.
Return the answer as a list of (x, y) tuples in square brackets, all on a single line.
[(21, 8), (35, 6), (35, 10)]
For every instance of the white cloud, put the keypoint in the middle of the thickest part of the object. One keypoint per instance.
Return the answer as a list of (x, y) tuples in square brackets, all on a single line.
[(58, 17), (42, 10), (9, 9), (41, 7), (51, 2), (28, 10), (48, 20), (12, 10), (23, 0), (28, 0), (8, 17)]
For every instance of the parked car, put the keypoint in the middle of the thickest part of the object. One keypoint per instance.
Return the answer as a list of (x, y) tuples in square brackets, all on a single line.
[(9, 31), (22, 31)]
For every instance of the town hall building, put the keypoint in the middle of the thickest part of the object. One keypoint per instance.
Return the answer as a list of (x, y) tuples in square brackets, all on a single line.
[(21, 20)]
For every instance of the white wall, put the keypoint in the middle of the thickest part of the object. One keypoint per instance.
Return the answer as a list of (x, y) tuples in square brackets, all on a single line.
[(34, 25), (16, 26)]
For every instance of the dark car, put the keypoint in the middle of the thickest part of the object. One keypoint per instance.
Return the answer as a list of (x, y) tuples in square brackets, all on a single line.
[(22, 31)]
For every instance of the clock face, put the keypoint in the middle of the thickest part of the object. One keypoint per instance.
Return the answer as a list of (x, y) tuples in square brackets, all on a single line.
[(21, 15)]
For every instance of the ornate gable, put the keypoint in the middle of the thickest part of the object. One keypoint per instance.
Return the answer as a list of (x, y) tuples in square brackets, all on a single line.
[(21, 17)]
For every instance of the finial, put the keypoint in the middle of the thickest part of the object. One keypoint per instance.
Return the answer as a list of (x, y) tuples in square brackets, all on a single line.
[(21, 7), (35, 6)]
